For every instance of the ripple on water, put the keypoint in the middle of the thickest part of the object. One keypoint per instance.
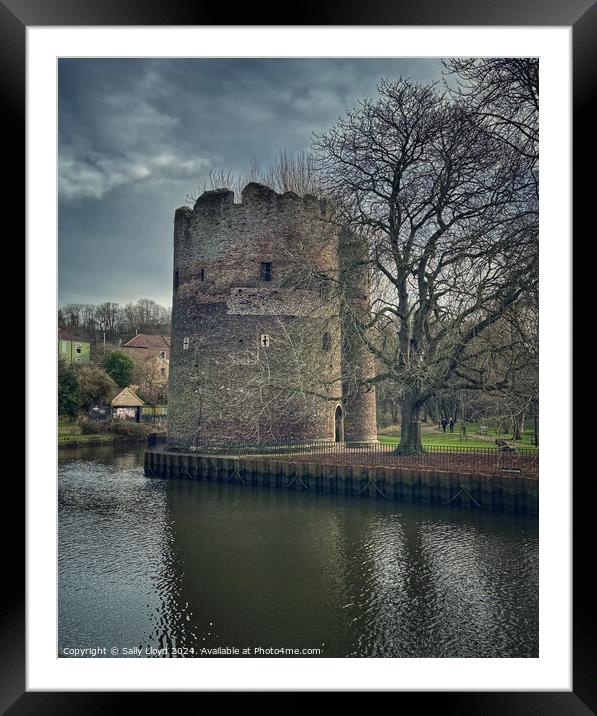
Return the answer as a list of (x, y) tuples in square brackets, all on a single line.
[(158, 563)]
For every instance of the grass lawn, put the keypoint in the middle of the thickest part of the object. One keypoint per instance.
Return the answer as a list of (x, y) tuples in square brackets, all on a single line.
[(69, 432), (440, 439), (433, 437), (83, 439), (68, 427)]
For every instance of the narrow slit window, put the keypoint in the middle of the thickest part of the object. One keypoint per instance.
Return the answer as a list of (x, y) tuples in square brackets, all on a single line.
[(176, 279), (326, 341), (266, 270), (264, 340), (185, 343), (202, 274)]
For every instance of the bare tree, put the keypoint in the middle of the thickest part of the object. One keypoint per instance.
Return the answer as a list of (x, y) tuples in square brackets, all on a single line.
[(70, 316), (503, 96), (118, 322), (288, 171), (293, 172), (107, 316), (515, 342), (449, 214), (89, 320), (153, 379), (144, 316)]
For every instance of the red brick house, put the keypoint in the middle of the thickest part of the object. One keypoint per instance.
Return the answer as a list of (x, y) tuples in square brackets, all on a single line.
[(151, 355), (144, 346)]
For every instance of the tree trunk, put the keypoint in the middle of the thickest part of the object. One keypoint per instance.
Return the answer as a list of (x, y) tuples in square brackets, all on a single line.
[(518, 426), (410, 427), (395, 413), (432, 411)]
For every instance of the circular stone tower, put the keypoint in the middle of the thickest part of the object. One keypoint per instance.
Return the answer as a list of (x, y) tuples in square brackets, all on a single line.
[(358, 365), (256, 344)]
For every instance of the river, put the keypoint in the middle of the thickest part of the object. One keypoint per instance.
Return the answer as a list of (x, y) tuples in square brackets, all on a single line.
[(181, 568)]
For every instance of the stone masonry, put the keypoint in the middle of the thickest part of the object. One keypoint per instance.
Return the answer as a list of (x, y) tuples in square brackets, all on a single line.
[(257, 350)]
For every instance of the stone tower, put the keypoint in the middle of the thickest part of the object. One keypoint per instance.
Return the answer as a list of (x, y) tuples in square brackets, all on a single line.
[(256, 326), (360, 420)]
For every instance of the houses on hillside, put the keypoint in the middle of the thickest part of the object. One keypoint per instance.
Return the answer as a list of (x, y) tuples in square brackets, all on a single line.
[(150, 354), (152, 362), (73, 350), (144, 346)]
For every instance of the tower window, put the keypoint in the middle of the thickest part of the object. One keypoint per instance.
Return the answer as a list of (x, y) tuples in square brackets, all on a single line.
[(202, 274), (176, 279), (266, 270), (185, 343), (264, 340), (326, 341)]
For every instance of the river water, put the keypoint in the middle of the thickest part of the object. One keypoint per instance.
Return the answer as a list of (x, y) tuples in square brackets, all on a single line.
[(147, 565)]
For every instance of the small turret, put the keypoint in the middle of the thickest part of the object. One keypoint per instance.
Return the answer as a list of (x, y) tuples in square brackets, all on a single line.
[(360, 420)]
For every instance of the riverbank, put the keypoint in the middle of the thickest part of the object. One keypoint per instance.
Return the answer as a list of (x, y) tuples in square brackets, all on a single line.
[(98, 440), (497, 493), (75, 434)]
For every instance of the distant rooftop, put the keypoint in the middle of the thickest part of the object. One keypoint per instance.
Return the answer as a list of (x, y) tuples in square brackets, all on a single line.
[(127, 398), (66, 336), (145, 340)]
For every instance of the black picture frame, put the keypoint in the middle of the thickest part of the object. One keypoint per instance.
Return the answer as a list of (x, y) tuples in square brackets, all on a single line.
[(581, 15)]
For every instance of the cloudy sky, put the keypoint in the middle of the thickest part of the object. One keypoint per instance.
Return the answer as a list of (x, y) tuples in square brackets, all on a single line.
[(136, 136)]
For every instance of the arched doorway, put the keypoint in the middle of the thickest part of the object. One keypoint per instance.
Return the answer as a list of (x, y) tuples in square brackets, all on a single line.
[(339, 425)]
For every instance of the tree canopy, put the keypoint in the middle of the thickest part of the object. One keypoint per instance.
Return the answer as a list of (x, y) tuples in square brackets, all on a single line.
[(120, 367), (69, 400), (96, 387)]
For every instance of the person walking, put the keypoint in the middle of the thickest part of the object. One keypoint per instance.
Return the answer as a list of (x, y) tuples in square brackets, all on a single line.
[(452, 421), (444, 423)]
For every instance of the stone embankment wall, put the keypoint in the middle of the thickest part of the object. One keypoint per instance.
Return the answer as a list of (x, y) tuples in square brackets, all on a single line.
[(501, 494)]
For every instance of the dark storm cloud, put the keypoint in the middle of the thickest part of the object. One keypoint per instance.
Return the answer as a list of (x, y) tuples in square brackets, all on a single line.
[(136, 136)]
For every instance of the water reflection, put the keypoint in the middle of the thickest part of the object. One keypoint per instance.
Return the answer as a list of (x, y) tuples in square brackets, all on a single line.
[(192, 565)]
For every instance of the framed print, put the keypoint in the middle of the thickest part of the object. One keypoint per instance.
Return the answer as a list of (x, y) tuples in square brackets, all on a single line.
[(254, 289)]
